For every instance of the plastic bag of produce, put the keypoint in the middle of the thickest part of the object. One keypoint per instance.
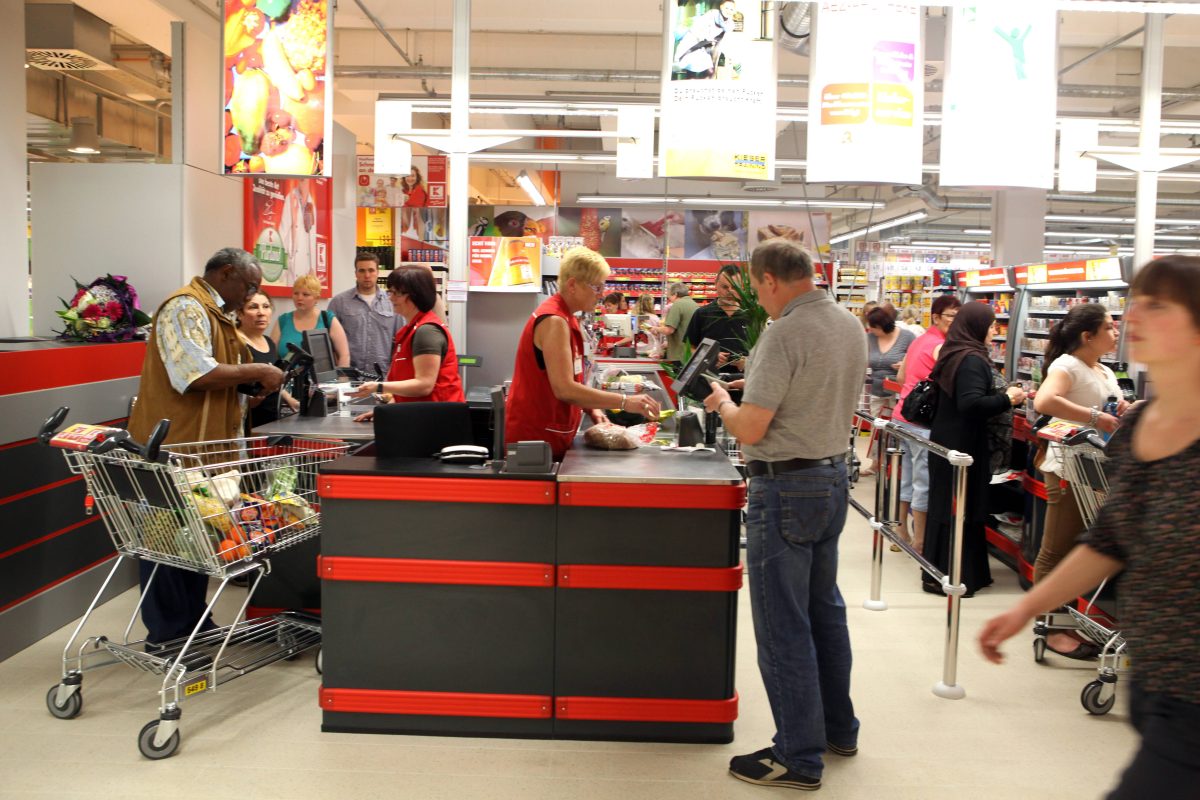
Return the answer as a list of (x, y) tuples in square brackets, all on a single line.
[(607, 436), (644, 433)]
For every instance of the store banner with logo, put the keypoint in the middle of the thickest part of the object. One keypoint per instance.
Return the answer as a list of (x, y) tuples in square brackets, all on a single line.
[(423, 186), (278, 84), (718, 91), (287, 225), (1000, 96), (866, 93)]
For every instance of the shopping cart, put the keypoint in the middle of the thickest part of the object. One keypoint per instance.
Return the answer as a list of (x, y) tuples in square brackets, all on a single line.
[(1083, 458), (220, 508)]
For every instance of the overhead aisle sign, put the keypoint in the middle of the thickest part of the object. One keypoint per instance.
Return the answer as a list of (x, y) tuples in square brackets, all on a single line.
[(1000, 96), (866, 93), (718, 91)]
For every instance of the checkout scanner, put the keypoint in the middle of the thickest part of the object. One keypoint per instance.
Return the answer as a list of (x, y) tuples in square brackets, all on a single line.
[(692, 382), (318, 395)]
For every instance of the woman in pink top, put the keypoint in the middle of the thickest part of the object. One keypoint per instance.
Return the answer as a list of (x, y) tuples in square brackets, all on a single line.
[(914, 469)]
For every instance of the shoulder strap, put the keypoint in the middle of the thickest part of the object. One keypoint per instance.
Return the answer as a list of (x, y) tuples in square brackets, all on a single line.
[(325, 319)]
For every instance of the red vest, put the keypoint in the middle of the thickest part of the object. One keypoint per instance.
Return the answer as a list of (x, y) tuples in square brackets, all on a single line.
[(533, 412), (448, 386)]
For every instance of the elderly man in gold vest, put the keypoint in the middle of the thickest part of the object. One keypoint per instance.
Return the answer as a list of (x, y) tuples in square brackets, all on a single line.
[(194, 364)]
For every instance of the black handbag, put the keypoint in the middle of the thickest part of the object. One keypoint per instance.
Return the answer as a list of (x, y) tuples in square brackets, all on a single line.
[(920, 406)]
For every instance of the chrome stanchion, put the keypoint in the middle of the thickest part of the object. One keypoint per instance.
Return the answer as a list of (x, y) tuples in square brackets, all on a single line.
[(947, 687), (875, 602)]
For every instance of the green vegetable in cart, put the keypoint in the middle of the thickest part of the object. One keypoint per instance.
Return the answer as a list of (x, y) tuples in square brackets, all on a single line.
[(283, 481)]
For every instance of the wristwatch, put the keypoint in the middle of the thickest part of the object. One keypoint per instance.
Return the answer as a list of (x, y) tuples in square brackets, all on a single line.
[(721, 405)]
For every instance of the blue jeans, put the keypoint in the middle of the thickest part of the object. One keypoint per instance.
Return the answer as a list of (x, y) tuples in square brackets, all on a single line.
[(793, 524), (914, 471)]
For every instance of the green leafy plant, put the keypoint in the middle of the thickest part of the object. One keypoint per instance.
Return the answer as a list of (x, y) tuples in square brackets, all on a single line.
[(749, 307)]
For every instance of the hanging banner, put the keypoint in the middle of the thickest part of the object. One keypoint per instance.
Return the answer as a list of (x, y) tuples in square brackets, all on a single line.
[(866, 95), (503, 264), (718, 91), (288, 227), (1000, 96), (277, 86)]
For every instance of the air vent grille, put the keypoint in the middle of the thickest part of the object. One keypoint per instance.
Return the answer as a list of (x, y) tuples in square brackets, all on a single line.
[(63, 60)]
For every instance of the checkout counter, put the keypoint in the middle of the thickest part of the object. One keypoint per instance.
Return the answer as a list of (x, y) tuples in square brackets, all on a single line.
[(597, 600)]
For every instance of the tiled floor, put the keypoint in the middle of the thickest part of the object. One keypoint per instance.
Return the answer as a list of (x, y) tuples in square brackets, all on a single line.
[(1020, 733)]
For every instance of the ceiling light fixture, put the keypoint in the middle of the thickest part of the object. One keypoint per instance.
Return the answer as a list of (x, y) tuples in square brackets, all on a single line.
[(603, 199), (879, 226), (531, 191), (84, 139)]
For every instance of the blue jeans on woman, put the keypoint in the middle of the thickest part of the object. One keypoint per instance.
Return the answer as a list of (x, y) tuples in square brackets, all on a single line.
[(793, 524)]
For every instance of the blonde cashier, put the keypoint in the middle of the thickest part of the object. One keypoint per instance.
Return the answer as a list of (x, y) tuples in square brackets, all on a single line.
[(548, 394)]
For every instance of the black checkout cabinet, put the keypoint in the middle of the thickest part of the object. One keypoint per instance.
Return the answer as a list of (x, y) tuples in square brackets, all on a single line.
[(596, 601)]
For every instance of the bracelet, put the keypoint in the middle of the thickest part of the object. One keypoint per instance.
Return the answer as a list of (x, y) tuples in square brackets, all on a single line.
[(1095, 416), (624, 397), (378, 387)]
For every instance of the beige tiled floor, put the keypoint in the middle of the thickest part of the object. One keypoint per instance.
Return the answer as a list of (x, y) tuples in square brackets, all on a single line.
[(1020, 732)]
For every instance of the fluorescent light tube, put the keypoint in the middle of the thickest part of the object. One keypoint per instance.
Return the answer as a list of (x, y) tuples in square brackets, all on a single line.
[(526, 183)]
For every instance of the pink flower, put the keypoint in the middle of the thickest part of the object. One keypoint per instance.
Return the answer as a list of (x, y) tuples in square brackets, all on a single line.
[(93, 311)]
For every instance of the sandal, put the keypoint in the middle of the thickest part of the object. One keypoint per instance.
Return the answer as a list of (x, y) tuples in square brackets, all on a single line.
[(1084, 651)]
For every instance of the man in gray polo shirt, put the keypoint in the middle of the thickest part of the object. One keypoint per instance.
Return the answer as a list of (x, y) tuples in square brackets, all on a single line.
[(803, 379), (367, 316)]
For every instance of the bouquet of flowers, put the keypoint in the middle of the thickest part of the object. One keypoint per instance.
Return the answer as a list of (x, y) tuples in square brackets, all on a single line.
[(106, 310)]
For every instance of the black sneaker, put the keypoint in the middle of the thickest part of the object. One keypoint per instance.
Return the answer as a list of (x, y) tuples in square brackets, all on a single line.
[(763, 769), (838, 750)]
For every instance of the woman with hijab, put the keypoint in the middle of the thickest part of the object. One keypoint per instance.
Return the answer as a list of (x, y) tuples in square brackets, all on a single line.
[(966, 400)]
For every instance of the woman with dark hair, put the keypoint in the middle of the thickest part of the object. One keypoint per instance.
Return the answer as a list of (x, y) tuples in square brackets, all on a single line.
[(1149, 532), (254, 318), (424, 364), (887, 344), (1076, 388), (966, 400)]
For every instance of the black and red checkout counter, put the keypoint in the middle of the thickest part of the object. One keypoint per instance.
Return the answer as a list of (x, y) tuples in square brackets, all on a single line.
[(597, 600)]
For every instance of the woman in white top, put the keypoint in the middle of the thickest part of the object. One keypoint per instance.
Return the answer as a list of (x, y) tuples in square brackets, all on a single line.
[(1076, 388)]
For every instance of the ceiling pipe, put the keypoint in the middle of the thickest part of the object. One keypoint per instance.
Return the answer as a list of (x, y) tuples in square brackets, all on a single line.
[(395, 45)]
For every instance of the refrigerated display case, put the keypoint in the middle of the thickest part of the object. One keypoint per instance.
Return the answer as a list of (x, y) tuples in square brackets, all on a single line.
[(993, 286)]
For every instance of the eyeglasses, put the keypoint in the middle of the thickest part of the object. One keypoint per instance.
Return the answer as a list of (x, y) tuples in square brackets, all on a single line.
[(598, 288)]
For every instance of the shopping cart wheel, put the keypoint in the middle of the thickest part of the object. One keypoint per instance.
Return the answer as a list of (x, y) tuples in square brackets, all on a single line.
[(1039, 649), (70, 708), (146, 742), (1090, 697), (320, 664)]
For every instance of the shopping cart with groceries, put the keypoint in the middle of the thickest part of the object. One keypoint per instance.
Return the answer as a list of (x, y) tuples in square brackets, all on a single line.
[(1081, 451), (219, 508)]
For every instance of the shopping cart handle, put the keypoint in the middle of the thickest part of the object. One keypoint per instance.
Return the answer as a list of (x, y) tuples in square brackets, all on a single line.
[(50, 426), (151, 452)]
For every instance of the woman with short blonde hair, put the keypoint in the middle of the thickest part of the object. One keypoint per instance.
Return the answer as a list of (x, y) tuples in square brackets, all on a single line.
[(290, 326)]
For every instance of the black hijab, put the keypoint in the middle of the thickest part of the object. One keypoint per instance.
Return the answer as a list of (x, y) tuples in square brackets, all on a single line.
[(968, 335)]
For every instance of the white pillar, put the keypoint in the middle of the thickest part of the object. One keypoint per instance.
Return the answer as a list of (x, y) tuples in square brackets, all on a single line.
[(1146, 204), (1018, 226), (14, 245), (460, 164)]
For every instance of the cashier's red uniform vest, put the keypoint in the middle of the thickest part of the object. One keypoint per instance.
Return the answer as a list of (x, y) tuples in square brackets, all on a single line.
[(533, 413), (448, 386)]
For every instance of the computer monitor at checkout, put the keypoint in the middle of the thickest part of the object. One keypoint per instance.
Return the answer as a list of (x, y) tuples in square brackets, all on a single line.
[(618, 325), (318, 343)]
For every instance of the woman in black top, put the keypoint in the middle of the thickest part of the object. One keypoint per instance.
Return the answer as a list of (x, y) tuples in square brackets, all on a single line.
[(254, 320), (1149, 531), (966, 399)]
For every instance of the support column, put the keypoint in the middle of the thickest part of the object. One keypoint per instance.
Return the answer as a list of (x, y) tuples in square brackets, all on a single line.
[(1018, 226), (1146, 204), (14, 246), (460, 163)]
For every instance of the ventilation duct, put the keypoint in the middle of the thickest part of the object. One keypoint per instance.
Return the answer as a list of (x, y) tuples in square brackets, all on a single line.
[(795, 27), (64, 37)]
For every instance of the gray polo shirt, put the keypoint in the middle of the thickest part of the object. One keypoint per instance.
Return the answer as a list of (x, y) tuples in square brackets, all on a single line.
[(808, 367)]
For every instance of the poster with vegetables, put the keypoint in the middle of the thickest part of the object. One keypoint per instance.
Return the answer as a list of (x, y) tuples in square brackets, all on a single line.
[(277, 86), (288, 227)]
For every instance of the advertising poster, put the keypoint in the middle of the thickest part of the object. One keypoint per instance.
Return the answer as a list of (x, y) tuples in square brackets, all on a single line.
[(1000, 96), (866, 93), (288, 227), (512, 221), (715, 235), (374, 227), (718, 91), (651, 233), (599, 228), (810, 231), (278, 82), (423, 187), (501, 264)]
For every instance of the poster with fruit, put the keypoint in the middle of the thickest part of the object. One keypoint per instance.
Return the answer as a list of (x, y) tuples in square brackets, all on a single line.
[(277, 87), (288, 226)]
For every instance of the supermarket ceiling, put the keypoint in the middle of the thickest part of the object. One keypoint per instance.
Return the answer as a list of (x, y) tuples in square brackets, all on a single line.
[(550, 51)]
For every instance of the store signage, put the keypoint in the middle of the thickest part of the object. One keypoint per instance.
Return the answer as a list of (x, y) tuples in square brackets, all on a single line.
[(1037, 273), (287, 225), (866, 93), (501, 264), (424, 185), (277, 87), (376, 227), (969, 278), (992, 277), (1067, 272), (962, 279), (1103, 269), (998, 126), (718, 91), (1021, 275)]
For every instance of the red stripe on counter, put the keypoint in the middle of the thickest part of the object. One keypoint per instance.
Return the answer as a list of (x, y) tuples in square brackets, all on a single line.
[(442, 704), (23, 442), (436, 490), (643, 709), (1003, 543), (1034, 487), (49, 536), (672, 579), (52, 584), (631, 495), (1024, 568), (35, 370), (39, 490), (419, 570)]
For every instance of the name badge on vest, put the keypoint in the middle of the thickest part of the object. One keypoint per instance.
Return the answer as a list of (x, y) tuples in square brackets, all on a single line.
[(578, 365)]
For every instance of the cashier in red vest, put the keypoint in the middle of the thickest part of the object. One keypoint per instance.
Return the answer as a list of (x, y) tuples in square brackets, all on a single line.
[(424, 365), (548, 394)]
